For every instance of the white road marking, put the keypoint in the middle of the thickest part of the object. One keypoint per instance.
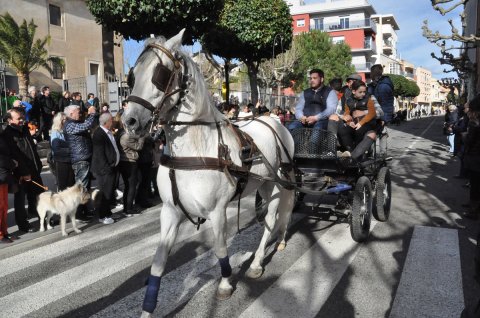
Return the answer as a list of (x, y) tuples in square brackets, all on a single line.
[(302, 290)]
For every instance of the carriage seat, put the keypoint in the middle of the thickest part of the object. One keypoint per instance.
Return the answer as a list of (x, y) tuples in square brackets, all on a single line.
[(315, 148)]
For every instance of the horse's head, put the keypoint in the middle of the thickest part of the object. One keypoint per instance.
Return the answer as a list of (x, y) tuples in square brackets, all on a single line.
[(158, 81)]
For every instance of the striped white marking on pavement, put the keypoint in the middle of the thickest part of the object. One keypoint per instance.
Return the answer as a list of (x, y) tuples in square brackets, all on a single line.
[(303, 289), (36, 296), (88, 237), (431, 282), (182, 283)]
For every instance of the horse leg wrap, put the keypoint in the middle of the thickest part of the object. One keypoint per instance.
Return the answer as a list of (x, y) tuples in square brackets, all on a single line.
[(150, 301), (225, 266)]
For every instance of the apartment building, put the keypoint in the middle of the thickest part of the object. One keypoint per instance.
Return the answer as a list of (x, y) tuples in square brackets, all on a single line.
[(423, 77), (85, 47), (386, 43), (348, 21), (438, 93)]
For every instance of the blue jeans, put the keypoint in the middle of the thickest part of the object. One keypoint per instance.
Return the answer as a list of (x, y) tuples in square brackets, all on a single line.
[(82, 170), (321, 124), (451, 142)]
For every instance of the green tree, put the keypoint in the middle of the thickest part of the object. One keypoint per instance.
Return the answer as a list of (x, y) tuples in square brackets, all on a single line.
[(247, 30), (318, 51), (404, 87), (137, 19), (22, 52)]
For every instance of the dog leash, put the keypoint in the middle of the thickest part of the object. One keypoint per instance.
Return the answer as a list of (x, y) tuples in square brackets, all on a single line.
[(38, 185)]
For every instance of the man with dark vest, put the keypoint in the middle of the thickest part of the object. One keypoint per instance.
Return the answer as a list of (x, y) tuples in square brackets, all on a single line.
[(316, 103)]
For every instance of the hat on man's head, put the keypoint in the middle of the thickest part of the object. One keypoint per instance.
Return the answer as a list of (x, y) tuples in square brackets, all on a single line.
[(354, 77)]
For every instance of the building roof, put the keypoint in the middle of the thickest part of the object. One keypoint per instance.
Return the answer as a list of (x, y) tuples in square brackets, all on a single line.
[(386, 19), (333, 6)]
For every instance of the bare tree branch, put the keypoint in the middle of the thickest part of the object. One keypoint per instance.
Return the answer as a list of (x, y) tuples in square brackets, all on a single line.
[(436, 5)]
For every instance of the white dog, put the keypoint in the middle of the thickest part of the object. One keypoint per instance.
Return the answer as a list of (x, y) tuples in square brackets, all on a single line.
[(64, 203)]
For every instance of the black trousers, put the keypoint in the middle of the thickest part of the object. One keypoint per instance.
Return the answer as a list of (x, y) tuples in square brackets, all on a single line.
[(106, 183), (64, 174), (350, 137), (46, 125), (31, 191), (129, 171), (474, 187), (145, 185)]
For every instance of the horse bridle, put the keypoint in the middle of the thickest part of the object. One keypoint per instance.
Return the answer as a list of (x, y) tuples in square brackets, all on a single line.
[(158, 79)]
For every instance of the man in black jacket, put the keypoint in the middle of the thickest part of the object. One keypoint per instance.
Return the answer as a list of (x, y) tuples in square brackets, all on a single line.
[(29, 167), (104, 166), (48, 109)]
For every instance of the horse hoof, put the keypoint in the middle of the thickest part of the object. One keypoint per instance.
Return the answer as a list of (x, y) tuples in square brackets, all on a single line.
[(254, 273), (281, 246), (224, 294)]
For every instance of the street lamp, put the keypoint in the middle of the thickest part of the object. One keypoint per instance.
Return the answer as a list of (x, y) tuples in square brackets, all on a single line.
[(275, 75)]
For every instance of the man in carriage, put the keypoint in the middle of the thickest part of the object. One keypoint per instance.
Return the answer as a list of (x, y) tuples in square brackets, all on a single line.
[(315, 104)]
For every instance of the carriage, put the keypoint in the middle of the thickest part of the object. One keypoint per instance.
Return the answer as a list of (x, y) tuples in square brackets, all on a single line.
[(210, 162), (363, 188)]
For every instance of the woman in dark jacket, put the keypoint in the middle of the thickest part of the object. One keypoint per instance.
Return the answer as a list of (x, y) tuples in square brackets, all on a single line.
[(61, 154), (471, 158), (64, 101)]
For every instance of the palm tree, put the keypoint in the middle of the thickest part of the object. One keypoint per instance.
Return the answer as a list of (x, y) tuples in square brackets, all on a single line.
[(21, 52)]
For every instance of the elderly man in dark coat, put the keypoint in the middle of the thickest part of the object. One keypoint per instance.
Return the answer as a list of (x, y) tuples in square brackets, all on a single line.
[(104, 166)]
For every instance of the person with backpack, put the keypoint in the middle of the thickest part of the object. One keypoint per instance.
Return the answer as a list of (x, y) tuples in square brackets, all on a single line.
[(315, 104)]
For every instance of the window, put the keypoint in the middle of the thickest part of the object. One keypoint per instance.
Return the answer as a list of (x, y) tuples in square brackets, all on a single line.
[(55, 15), (301, 23), (94, 67), (318, 24), (338, 39), (57, 71), (344, 23)]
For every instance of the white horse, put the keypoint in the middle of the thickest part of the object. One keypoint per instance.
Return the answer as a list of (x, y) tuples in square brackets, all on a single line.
[(168, 84)]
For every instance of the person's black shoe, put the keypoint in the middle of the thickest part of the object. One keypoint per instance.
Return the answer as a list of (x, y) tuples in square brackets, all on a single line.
[(472, 216), (146, 204), (84, 218), (6, 240), (54, 222), (26, 229)]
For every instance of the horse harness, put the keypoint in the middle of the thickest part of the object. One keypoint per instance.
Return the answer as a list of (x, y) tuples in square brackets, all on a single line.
[(249, 151)]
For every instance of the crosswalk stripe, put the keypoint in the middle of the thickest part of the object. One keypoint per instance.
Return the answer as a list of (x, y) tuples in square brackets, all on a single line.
[(88, 237), (302, 290), (36, 296), (71, 244), (431, 282)]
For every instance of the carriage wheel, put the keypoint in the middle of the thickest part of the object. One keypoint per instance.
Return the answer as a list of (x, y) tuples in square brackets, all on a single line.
[(361, 210), (383, 195)]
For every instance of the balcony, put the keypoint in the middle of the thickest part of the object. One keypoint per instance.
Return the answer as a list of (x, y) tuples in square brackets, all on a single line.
[(368, 45), (363, 67), (343, 25)]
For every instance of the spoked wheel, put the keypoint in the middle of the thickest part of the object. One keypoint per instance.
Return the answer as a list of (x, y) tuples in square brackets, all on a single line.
[(361, 210), (383, 195)]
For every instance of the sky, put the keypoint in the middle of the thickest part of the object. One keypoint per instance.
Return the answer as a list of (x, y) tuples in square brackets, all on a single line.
[(411, 46)]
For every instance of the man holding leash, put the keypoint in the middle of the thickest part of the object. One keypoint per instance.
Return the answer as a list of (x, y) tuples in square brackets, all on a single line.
[(24, 151)]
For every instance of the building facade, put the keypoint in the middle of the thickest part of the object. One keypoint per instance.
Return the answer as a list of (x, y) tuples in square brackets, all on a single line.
[(423, 77), (386, 43), (84, 46), (346, 21)]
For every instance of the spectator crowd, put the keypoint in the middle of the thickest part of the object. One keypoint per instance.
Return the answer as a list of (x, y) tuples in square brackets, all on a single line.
[(87, 143)]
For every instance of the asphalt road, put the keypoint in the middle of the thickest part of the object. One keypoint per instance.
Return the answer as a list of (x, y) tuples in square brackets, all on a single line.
[(321, 273)]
